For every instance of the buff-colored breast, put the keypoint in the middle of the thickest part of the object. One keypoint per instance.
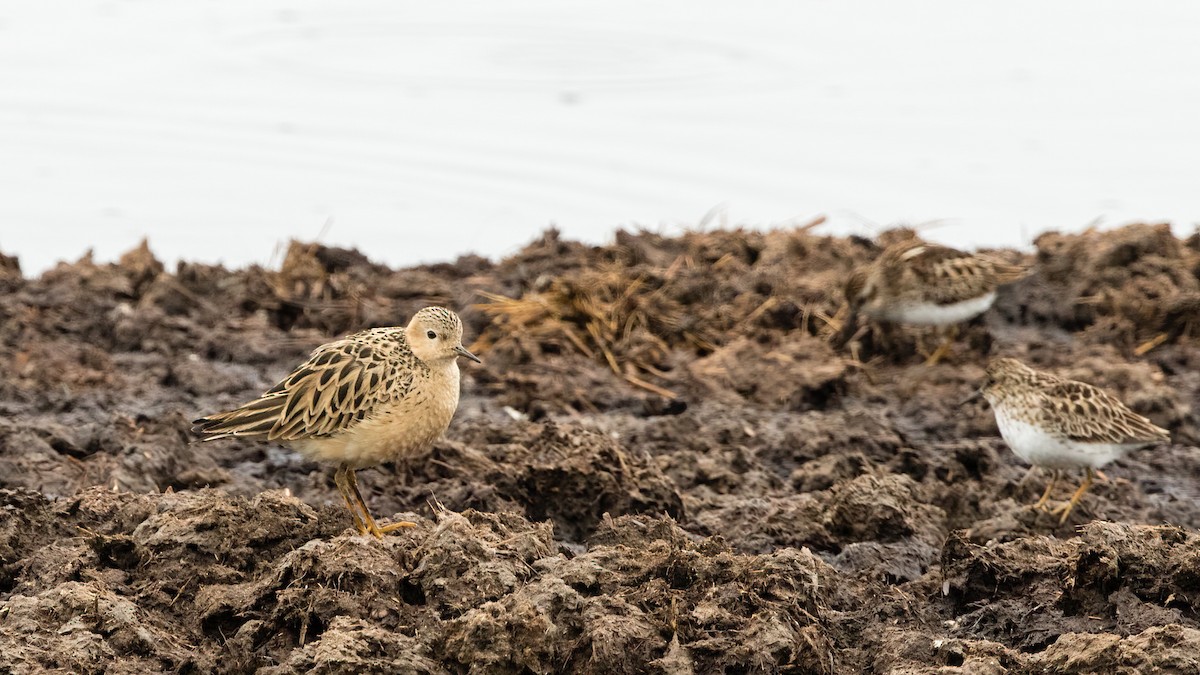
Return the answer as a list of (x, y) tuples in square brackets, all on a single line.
[(397, 430)]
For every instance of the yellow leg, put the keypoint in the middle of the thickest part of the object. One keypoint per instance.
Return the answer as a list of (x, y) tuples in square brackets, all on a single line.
[(1041, 503), (343, 485), (1083, 487), (372, 527), (943, 349)]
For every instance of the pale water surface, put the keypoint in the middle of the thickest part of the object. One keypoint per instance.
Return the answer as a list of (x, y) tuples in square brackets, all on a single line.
[(422, 130)]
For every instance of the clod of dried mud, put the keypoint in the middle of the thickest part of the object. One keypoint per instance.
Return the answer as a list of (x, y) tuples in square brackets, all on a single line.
[(664, 466)]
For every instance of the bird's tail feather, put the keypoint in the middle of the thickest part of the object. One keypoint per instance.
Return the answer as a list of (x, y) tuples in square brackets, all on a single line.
[(1006, 272), (255, 419)]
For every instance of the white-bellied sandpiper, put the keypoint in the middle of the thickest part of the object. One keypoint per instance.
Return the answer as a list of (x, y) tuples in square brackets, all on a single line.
[(1056, 423), (923, 284)]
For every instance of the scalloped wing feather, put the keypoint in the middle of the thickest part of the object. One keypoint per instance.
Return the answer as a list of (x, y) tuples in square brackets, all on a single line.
[(1004, 272), (945, 275), (338, 386), (1089, 415)]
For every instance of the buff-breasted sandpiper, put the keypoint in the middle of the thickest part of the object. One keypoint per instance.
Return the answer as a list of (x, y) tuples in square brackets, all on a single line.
[(375, 396)]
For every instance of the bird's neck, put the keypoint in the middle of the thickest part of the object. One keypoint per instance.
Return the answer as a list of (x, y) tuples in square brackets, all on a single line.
[(443, 367)]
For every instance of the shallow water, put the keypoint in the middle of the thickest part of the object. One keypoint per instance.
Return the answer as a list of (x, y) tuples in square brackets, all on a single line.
[(420, 131)]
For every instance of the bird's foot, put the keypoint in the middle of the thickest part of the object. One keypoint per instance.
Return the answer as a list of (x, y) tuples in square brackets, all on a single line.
[(1083, 487), (943, 349), (1064, 509), (378, 531), (937, 356), (402, 525)]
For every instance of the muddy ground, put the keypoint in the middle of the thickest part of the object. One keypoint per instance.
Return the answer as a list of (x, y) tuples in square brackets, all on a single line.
[(662, 466)]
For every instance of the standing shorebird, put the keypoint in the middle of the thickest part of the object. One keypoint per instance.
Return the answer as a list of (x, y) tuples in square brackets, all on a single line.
[(375, 396), (918, 283), (1056, 423)]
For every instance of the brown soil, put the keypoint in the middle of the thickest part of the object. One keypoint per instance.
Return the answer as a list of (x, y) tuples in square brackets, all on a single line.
[(662, 466)]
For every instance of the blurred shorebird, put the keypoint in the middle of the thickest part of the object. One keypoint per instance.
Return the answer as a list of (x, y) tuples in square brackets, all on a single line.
[(375, 396), (917, 283), (1055, 423)]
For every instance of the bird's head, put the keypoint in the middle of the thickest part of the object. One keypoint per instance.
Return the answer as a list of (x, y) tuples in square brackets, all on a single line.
[(1003, 373), (435, 336)]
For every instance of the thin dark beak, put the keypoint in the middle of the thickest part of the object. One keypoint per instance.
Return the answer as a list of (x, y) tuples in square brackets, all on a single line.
[(974, 396), (462, 351)]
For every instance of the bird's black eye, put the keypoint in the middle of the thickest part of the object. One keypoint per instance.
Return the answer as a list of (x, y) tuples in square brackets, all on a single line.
[(431, 335)]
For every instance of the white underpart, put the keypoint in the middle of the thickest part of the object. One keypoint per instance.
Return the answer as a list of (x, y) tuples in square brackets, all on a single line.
[(931, 314), (1035, 446)]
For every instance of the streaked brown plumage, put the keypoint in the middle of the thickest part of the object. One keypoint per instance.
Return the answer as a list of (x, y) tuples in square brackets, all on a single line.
[(374, 396), (1056, 423), (918, 283)]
